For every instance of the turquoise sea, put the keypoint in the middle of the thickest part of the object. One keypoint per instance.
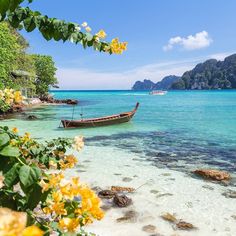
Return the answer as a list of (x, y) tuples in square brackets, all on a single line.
[(155, 153), (179, 130)]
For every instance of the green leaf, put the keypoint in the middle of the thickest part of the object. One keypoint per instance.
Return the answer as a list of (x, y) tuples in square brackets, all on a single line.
[(89, 36), (35, 196), (4, 6), (4, 139), (29, 24), (35, 151), (29, 175), (11, 175), (10, 151), (14, 4)]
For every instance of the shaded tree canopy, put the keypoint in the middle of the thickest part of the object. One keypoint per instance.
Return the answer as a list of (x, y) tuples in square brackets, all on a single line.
[(9, 53), (45, 70)]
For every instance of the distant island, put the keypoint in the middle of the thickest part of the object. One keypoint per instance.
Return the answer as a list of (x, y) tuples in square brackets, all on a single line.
[(211, 74), (164, 84)]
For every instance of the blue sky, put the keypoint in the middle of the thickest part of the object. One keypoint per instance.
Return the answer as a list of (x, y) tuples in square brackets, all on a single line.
[(164, 37)]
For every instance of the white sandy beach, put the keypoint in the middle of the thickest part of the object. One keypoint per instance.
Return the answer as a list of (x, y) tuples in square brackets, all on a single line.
[(193, 200)]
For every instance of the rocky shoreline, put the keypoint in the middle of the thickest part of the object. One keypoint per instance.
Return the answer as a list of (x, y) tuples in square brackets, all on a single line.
[(48, 100), (52, 100)]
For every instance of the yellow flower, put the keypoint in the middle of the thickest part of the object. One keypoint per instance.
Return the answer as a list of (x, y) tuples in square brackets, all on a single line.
[(101, 34), (52, 164), (13, 142), (26, 137), (118, 47), (17, 97), (71, 160), (15, 130), (90, 203), (69, 224), (58, 208), (123, 46), (57, 197), (32, 231), (78, 143), (88, 29), (12, 223), (52, 181), (63, 165)]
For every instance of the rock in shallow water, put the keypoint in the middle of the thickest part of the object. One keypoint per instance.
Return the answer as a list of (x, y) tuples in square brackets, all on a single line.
[(149, 228), (229, 194), (32, 117), (107, 194), (208, 187), (213, 174), (122, 201), (127, 179), (164, 195), (129, 217), (169, 217), (119, 189), (184, 225)]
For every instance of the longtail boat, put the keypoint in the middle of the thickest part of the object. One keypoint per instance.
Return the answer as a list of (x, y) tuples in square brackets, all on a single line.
[(101, 121)]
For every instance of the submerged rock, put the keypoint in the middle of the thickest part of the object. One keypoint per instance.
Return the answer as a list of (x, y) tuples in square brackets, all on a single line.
[(154, 191), (127, 179), (117, 174), (179, 224), (107, 194), (122, 201), (208, 187), (234, 217), (213, 174), (149, 228), (229, 194), (164, 195), (184, 225), (119, 189), (129, 217), (32, 117), (169, 217)]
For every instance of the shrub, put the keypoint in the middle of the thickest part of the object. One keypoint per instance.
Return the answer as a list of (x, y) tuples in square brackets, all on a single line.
[(33, 182)]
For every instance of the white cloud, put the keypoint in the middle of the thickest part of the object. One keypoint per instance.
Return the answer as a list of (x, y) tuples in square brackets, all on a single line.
[(191, 42), (221, 56), (82, 79)]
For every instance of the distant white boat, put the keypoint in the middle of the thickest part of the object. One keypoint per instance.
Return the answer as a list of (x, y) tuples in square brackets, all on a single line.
[(158, 92)]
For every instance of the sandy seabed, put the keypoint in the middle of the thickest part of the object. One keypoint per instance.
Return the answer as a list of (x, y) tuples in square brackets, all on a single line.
[(193, 200)]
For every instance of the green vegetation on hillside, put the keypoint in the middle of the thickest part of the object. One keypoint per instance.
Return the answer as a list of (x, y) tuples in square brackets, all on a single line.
[(211, 74), (9, 53), (19, 70)]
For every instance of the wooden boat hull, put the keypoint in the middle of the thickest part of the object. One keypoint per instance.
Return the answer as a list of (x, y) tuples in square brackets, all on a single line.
[(103, 121)]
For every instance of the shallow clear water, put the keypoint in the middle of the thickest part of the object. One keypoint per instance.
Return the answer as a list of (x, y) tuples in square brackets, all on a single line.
[(180, 130), (169, 137)]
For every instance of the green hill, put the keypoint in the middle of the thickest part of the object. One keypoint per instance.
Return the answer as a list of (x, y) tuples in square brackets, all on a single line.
[(211, 74)]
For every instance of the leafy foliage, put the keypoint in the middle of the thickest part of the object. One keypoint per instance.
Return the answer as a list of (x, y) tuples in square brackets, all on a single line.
[(52, 28), (9, 48), (13, 57), (45, 71), (29, 187)]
